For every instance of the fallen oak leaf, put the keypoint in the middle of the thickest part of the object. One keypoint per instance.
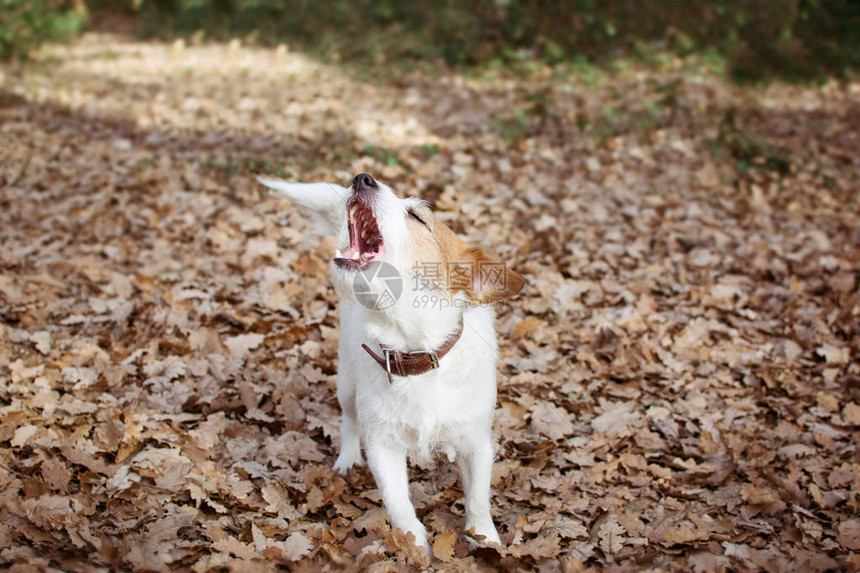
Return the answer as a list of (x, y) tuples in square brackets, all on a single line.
[(404, 541), (372, 553), (205, 341), (42, 341), (540, 547), (55, 473), (525, 327), (616, 419), (236, 548), (443, 546), (314, 499), (310, 266), (294, 548), (290, 448), (552, 421), (372, 520), (851, 413), (569, 528), (849, 534), (611, 535), (756, 495), (23, 435), (833, 354), (279, 501), (684, 534), (239, 346), (477, 539)]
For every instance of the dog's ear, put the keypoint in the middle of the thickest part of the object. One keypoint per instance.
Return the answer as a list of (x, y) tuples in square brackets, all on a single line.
[(325, 201), (491, 280)]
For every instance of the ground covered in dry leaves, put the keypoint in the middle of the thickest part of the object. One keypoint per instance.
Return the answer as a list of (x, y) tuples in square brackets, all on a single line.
[(678, 381)]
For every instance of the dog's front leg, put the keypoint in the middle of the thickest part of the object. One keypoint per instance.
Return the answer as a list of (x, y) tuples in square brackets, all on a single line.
[(350, 445), (476, 469), (388, 465)]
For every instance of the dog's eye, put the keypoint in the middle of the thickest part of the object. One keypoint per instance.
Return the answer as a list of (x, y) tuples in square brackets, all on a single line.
[(417, 218)]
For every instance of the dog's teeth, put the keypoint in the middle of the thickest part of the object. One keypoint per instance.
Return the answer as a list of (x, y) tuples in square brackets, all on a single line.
[(338, 254)]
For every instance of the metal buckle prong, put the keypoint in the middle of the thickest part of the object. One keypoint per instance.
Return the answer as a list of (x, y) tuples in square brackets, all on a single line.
[(434, 359), (387, 354)]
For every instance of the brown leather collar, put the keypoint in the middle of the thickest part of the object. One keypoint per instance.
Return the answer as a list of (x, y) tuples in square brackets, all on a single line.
[(414, 363)]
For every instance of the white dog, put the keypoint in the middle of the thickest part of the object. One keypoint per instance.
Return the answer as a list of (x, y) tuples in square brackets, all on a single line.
[(417, 352)]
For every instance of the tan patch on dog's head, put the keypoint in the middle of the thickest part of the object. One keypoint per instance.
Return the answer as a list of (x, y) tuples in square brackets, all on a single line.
[(443, 260)]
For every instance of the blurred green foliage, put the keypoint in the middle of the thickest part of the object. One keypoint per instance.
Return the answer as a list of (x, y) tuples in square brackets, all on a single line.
[(795, 39), (25, 24), (757, 39)]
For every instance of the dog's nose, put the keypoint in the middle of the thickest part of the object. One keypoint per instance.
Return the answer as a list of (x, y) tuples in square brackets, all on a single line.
[(363, 181)]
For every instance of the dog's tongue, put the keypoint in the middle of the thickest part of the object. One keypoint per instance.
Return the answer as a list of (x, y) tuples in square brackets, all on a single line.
[(365, 242)]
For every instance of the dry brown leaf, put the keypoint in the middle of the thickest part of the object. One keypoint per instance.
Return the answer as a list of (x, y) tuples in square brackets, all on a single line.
[(404, 542), (23, 435), (525, 327), (443, 546), (834, 354), (617, 419), (373, 519), (758, 495), (235, 547), (611, 536), (683, 534), (239, 346), (42, 341), (310, 266), (851, 413), (56, 474), (279, 502), (550, 420), (849, 534), (296, 546), (540, 547)]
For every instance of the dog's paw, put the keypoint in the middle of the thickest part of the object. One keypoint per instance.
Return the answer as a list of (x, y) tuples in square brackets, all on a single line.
[(482, 537), (413, 543), (343, 464)]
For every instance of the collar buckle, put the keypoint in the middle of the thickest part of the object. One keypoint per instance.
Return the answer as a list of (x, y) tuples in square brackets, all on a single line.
[(434, 359), (387, 353), (413, 363)]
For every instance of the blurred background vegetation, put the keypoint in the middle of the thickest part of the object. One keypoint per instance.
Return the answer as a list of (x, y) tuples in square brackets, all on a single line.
[(752, 39), (24, 24)]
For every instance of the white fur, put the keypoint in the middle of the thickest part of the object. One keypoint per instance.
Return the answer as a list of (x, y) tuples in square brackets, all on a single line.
[(448, 410), (325, 201)]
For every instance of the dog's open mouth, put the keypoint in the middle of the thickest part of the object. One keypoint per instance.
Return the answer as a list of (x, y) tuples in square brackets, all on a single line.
[(365, 240)]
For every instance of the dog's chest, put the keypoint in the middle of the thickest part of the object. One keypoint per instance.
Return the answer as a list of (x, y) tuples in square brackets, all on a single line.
[(429, 412)]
